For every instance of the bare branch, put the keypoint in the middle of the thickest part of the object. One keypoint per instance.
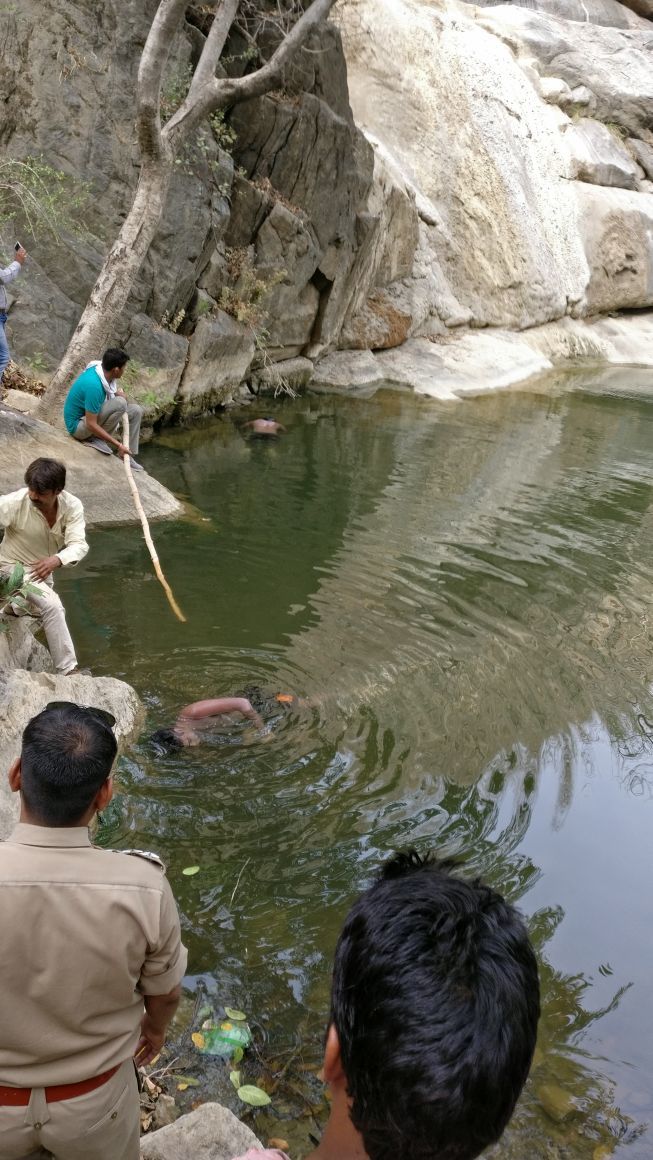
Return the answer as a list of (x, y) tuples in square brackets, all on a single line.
[(216, 94), (166, 22), (213, 46)]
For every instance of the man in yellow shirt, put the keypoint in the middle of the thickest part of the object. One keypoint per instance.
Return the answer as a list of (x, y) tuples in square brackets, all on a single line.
[(44, 530)]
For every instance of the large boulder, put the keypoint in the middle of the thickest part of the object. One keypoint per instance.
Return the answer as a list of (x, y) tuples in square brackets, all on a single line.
[(211, 1132), (158, 359), (98, 480), (23, 694), (617, 228), (467, 128), (598, 156), (221, 351)]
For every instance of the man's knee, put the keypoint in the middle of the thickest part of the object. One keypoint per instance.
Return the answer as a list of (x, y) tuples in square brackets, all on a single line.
[(134, 411), (47, 602)]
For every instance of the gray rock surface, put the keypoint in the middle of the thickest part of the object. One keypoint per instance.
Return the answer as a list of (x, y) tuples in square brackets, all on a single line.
[(610, 13), (24, 693), (643, 154), (292, 373), (221, 351), (211, 1132), (598, 156), (613, 64), (443, 201), (98, 480), (472, 362), (617, 227)]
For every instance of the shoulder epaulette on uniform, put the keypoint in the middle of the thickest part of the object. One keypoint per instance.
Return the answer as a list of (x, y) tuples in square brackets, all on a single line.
[(146, 854)]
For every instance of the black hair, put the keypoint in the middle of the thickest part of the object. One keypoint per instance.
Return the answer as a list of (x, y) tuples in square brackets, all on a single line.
[(66, 756), (435, 999), (256, 696), (166, 739), (114, 357), (45, 475)]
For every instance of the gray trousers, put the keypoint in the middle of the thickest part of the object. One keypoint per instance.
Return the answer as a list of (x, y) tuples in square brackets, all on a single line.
[(110, 417)]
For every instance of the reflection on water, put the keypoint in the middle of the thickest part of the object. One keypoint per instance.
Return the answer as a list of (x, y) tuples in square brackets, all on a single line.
[(462, 596)]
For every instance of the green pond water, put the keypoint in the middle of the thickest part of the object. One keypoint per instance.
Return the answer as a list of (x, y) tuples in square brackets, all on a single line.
[(463, 596)]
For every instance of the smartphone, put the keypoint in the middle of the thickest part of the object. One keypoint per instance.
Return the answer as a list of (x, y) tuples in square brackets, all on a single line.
[(18, 246)]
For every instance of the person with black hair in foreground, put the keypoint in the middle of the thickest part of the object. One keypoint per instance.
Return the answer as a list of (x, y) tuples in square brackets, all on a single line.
[(434, 1011), (44, 530), (91, 958)]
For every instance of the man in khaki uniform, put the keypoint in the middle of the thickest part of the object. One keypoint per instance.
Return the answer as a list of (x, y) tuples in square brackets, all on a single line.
[(44, 530), (91, 958)]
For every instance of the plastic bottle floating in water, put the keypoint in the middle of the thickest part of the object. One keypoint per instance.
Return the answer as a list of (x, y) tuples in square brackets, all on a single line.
[(221, 1038)]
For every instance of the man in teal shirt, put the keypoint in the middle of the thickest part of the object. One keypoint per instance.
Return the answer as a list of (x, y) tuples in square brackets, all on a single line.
[(95, 405)]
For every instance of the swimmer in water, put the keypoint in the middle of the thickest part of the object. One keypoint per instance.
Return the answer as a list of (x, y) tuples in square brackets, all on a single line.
[(187, 729), (266, 427)]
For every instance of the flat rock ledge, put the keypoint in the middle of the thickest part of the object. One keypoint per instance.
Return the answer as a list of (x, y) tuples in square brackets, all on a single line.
[(211, 1132), (476, 361), (98, 480), (27, 684)]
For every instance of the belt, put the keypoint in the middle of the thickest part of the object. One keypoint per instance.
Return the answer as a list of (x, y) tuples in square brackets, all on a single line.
[(16, 1097)]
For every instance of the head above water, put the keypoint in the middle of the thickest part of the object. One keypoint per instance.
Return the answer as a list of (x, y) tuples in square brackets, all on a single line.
[(66, 758), (166, 741), (435, 1004)]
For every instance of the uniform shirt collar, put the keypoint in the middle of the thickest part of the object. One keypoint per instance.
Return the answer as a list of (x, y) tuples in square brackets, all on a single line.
[(67, 836)]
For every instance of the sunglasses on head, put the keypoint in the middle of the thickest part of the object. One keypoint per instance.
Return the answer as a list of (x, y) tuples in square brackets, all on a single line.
[(100, 715)]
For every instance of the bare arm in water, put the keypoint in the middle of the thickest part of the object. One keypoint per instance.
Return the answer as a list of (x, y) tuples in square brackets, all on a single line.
[(218, 706)]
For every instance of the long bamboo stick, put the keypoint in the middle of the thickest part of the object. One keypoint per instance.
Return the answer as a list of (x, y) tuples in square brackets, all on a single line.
[(146, 527)]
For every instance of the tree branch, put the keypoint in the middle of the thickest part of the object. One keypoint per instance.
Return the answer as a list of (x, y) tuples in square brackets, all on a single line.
[(217, 94), (213, 46), (165, 25)]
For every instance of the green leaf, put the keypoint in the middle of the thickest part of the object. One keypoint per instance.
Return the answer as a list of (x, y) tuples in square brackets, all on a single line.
[(237, 1055), (234, 1076), (238, 1016), (255, 1096), (190, 870), (189, 1080), (16, 577)]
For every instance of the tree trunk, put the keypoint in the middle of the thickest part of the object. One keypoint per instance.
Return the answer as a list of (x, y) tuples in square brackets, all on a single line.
[(95, 330)]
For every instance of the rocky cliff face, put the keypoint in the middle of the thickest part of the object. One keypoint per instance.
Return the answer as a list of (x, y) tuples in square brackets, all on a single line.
[(496, 172)]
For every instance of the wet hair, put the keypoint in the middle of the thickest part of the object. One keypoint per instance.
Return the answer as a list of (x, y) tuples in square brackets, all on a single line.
[(435, 999), (45, 475), (165, 740), (67, 755), (114, 357), (256, 696)]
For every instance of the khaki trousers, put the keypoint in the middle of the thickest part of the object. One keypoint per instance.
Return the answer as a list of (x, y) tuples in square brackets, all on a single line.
[(110, 417), (47, 607), (102, 1125)]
